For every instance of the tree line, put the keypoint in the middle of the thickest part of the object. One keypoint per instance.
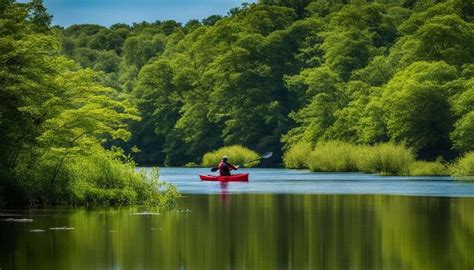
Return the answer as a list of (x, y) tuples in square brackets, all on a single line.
[(274, 73), (266, 75)]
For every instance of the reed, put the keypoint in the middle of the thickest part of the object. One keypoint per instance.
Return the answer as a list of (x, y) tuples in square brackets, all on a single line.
[(337, 156), (463, 168), (385, 159), (106, 180), (332, 156), (237, 154), (426, 168), (297, 155)]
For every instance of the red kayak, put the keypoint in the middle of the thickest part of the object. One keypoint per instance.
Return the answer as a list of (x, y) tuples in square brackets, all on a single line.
[(240, 177)]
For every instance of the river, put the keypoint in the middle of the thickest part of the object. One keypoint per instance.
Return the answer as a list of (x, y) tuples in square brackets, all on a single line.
[(281, 219)]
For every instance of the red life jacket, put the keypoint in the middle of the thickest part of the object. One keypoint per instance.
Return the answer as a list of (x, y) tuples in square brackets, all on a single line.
[(225, 168)]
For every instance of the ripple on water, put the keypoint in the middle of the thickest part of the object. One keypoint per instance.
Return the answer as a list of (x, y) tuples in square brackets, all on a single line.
[(145, 214), (18, 220), (36, 230), (64, 228)]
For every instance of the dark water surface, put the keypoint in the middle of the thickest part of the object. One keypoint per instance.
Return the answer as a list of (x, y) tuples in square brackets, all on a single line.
[(229, 228)]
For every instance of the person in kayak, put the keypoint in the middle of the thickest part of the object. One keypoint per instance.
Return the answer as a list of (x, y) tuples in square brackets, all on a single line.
[(225, 167)]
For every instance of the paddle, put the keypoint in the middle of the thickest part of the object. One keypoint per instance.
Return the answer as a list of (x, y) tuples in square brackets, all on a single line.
[(266, 155)]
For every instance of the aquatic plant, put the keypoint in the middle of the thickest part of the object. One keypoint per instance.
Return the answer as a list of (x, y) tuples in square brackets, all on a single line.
[(338, 156), (191, 165), (425, 168), (384, 158), (463, 168), (332, 156), (237, 155), (104, 178), (297, 155), (101, 181)]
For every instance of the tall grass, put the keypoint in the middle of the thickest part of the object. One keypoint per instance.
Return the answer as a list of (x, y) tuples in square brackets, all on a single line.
[(332, 156), (297, 155), (463, 168), (105, 180), (101, 178), (425, 168), (237, 155), (337, 156), (385, 158)]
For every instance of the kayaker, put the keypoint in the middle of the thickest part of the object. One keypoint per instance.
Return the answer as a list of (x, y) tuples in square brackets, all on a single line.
[(225, 167)]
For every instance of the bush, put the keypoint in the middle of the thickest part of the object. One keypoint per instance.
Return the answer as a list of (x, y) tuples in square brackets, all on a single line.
[(333, 156), (237, 155), (337, 156), (297, 155), (105, 180), (385, 158), (463, 168), (191, 165), (425, 168), (101, 178)]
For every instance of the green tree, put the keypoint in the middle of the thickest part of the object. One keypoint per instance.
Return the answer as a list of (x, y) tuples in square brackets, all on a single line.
[(346, 51), (418, 109), (464, 110), (447, 38), (321, 86)]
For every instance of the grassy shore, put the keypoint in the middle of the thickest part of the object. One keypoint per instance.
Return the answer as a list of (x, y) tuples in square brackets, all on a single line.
[(385, 159), (105, 178)]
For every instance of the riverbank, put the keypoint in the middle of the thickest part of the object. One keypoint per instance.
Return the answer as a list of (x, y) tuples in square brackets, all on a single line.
[(384, 159), (101, 180)]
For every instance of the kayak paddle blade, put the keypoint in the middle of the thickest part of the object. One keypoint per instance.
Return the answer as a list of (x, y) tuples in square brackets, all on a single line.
[(214, 169)]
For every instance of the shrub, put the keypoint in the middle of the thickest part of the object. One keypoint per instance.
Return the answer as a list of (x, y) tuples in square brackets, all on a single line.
[(191, 165), (463, 168), (332, 156), (424, 168), (237, 155), (297, 155), (100, 178), (385, 158), (337, 156), (105, 180)]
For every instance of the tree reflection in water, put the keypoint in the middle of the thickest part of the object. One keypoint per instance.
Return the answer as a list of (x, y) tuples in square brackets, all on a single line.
[(252, 231)]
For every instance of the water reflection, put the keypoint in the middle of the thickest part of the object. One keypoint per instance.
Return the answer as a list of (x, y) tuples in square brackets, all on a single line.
[(227, 231), (223, 192)]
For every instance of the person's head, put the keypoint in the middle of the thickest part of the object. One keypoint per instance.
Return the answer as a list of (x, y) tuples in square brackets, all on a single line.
[(225, 158)]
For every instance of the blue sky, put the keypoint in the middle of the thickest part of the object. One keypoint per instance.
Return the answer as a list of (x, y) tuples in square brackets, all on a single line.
[(108, 12)]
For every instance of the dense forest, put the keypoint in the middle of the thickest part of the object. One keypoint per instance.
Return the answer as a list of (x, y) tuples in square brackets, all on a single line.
[(267, 76), (56, 118), (274, 73)]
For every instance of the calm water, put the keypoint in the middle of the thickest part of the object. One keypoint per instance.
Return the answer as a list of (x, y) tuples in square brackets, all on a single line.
[(280, 181), (265, 224)]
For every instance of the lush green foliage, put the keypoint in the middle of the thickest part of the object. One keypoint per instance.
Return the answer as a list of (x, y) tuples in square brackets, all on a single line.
[(384, 158), (337, 156), (271, 75), (237, 155), (297, 155), (276, 73), (333, 156), (106, 180), (55, 118), (464, 167), (423, 168)]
